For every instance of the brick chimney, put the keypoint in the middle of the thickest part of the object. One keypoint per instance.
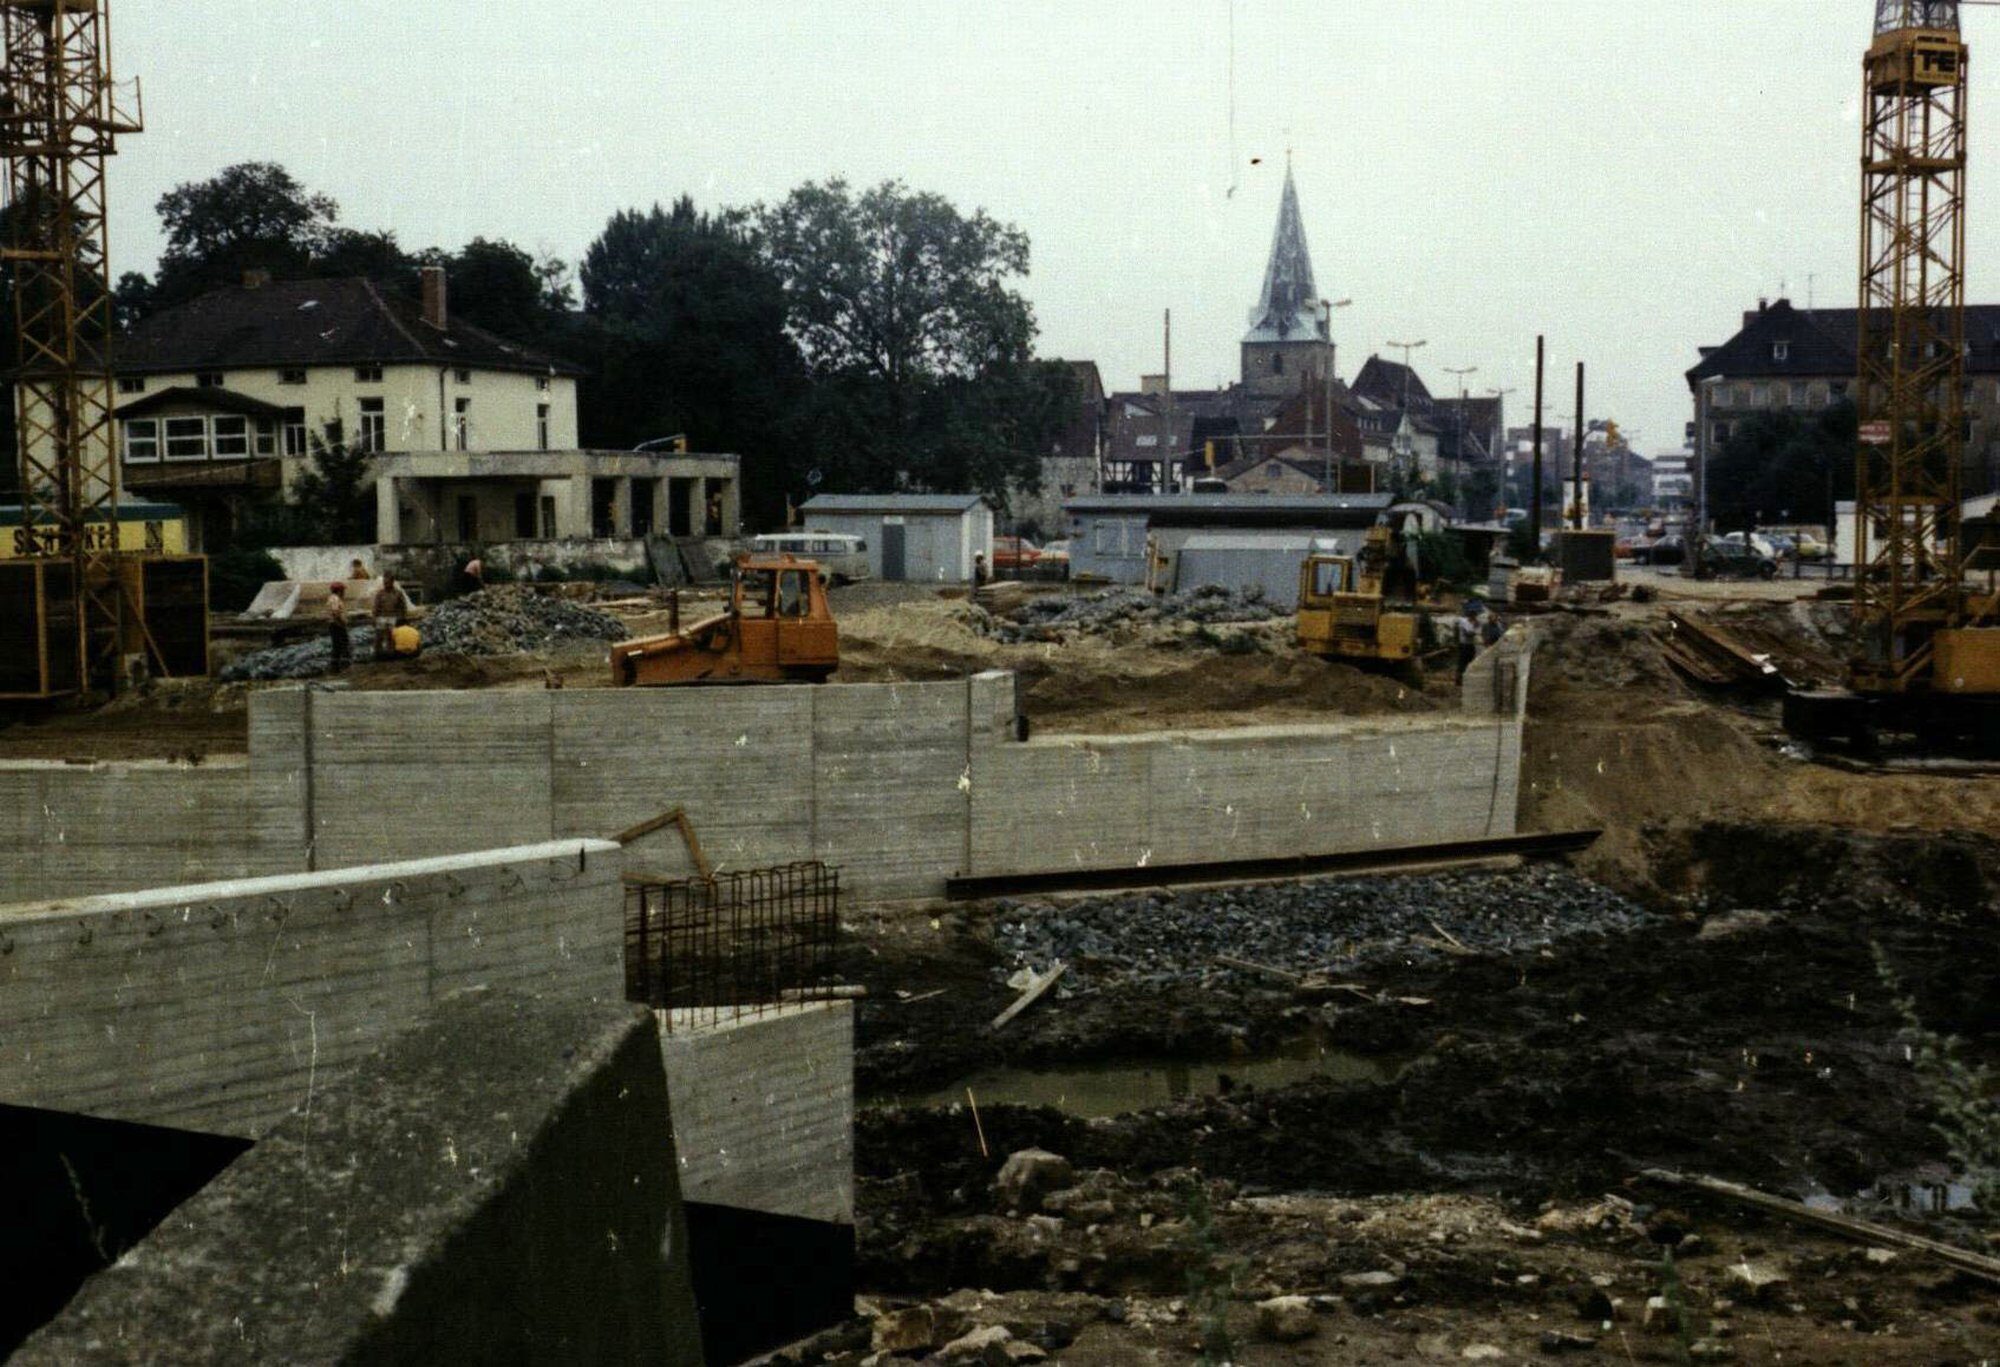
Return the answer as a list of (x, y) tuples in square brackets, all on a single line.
[(434, 297)]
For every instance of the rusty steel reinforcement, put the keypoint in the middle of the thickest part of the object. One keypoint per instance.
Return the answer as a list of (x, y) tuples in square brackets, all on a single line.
[(711, 949)]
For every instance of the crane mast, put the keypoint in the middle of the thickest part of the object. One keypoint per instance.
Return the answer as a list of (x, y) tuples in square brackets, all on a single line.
[(60, 117), (1911, 331)]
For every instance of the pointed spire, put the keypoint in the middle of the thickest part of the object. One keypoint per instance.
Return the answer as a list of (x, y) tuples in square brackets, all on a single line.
[(1288, 310)]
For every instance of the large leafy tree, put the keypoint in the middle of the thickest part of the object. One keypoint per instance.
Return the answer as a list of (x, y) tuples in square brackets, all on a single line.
[(252, 216), (684, 331), (1783, 465), (903, 308)]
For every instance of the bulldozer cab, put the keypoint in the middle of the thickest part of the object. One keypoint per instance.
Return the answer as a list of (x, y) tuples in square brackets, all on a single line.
[(778, 628)]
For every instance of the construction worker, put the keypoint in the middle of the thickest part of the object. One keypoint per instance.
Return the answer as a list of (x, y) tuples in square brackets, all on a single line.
[(472, 578), (1491, 628), (981, 576), (336, 626), (357, 570), (1466, 632), (389, 613)]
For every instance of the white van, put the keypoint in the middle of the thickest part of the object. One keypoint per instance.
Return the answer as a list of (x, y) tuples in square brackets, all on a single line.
[(843, 557)]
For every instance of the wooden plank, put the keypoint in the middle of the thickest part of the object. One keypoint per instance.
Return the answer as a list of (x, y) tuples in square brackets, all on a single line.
[(1032, 995)]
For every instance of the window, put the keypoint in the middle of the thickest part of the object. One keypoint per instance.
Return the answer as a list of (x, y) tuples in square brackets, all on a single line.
[(291, 377), (232, 437), (541, 382), (368, 374), (187, 439), (1760, 396), (267, 437), (548, 518), (461, 423), (210, 380), (524, 517), (131, 384), (542, 426), (1718, 433), (1277, 363), (374, 426), (462, 375), (1781, 351), (1816, 394), (295, 431), (142, 439), (1781, 395), (468, 518), (644, 493)]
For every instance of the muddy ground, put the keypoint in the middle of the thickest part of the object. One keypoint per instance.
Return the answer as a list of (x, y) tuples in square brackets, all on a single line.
[(1486, 1164)]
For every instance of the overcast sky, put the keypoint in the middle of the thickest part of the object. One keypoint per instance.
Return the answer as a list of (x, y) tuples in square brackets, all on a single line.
[(1624, 175)]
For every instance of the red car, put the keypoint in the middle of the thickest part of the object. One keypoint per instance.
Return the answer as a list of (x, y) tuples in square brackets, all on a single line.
[(1014, 553)]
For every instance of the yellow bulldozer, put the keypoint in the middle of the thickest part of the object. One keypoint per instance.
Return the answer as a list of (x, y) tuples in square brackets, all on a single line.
[(1341, 612), (776, 629)]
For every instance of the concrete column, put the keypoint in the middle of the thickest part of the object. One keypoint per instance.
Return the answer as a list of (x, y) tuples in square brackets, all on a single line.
[(388, 511)]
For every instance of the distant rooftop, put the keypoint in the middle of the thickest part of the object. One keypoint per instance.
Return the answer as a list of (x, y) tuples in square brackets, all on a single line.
[(892, 503)]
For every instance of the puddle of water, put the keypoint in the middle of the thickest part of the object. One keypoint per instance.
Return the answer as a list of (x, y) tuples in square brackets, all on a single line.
[(1925, 1191), (1091, 1091)]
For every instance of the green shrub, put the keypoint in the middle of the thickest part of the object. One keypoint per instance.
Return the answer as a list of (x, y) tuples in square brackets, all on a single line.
[(235, 576)]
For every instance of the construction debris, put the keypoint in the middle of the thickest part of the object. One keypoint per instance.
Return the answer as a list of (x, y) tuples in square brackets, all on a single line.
[(1281, 929), (513, 618), (1057, 617), (1710, 655)]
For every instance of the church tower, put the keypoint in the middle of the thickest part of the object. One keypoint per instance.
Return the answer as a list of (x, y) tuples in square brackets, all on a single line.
[(1287, 343)]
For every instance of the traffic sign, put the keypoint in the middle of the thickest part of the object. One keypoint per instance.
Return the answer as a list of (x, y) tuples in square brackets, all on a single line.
[(1875, 433)]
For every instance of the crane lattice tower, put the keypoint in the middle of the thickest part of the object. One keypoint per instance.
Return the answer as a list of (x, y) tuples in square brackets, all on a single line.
[(60, 117), (1911, 326)]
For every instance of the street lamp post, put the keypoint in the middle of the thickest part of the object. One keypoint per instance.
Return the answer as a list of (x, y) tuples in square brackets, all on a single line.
[(1691, 557), (1326, 307), (1500, 434), (1407, 348), (1458, 434)]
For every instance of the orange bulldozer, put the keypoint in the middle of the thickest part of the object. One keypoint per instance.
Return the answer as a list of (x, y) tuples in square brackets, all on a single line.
[(777, 629)]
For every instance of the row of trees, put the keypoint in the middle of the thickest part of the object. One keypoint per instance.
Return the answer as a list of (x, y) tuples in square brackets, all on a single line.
[(838, 339)]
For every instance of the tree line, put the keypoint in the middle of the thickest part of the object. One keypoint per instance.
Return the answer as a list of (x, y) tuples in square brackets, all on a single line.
[(838, 340)]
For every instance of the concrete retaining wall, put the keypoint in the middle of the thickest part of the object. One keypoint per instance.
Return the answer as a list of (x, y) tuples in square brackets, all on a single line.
[(495, 1186), (221, 1007), (902, 785), (764, 1110)]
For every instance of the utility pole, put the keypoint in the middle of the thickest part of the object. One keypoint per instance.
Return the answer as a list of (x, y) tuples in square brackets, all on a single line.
[(1167, 438), (1535, 496), (1576, 458)]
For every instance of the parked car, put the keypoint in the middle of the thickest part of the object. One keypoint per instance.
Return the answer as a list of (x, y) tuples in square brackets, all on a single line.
[(1723, 558), (1758, 544), (1013, 554), (1811, 547), (1668, 550), (1055, 558)]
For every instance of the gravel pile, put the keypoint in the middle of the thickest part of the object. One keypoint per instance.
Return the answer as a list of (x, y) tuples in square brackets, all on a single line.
[(302, 660), (497, 621), (1055, 617), (1164, 940), (510, 619)]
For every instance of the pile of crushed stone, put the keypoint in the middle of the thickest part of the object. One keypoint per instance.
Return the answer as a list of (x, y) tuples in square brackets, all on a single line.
[(506, 620), (510, 619), (1058, 617), (1165, 940)]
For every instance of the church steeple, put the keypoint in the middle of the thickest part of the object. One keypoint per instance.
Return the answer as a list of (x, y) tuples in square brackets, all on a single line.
[(1288, 310)]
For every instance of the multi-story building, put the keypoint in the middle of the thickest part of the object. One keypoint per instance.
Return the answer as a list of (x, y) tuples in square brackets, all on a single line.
[(226, 400), (1792, 360)]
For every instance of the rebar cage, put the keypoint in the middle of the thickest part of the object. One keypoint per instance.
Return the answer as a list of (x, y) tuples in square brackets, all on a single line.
[(706, 950)]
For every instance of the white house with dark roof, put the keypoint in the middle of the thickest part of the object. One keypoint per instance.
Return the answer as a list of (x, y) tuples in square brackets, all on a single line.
[(474, 437)]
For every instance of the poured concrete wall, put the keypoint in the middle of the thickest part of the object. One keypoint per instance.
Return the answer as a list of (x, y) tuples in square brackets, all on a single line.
[(764, 1109), (497, 1185), (901, 785), (221, 1007)]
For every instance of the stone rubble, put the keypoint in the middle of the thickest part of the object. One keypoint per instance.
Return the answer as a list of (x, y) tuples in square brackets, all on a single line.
[(1331, 926), (1058, 617), (506, 620)]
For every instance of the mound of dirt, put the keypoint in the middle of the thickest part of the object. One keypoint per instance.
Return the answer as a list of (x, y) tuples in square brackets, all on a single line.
[(1141, 676)]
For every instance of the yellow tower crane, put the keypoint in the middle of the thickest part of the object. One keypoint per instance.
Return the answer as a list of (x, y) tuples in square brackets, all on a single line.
[(1927, 659), (77, 612)]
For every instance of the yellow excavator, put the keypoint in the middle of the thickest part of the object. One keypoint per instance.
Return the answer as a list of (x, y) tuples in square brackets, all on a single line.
[(777, 629), (1341, 613)]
